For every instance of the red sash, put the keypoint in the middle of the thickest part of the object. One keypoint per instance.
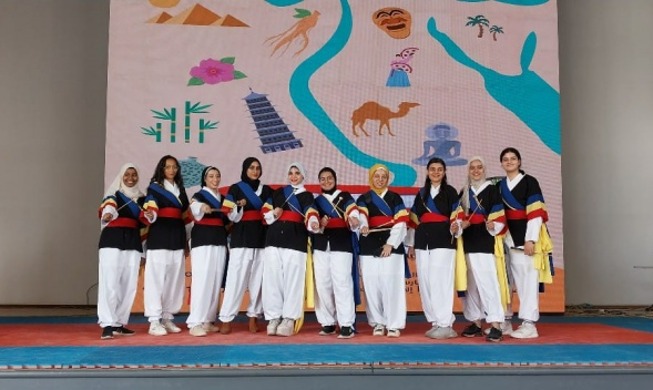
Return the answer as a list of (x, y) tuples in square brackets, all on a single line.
[(210, 222), (433, 217), (124, 222), (476, 219), (291, 216), (169, 212), (252, 215), (381, 222), (515, 214), (336, 223)]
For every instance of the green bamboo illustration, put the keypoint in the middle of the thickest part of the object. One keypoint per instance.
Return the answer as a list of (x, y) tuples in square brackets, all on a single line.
[(206, 125), (168, 115), (151, 131), (188, 110)]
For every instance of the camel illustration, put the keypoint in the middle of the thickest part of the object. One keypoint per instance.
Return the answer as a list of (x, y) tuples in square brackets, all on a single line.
[(375, 111)]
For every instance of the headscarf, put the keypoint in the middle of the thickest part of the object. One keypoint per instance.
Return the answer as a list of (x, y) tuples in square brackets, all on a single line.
[(301, 170), (206, 172), (243, 175), (476, 184), (335, 180), (118, 185), (371, 172)]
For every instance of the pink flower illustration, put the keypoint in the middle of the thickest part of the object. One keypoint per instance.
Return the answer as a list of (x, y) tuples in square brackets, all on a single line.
[(212, 71)]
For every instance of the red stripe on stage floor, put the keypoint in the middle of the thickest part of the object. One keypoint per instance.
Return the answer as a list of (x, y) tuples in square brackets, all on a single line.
[(25, 335)]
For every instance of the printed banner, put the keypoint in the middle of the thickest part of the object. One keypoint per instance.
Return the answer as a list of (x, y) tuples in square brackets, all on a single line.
[(338, 83)]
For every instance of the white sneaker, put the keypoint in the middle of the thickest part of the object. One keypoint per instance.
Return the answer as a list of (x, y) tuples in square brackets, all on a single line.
[(156, 329), (197, 331), (170, 326), (442, 333), (286, 328), (379, 330), (210, 328), (526, 330), (506, 328), (394, 333), (273, 325), (429, 333)]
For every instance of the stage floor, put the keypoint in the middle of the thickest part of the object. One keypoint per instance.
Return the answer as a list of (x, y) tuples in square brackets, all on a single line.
[(73, 343)]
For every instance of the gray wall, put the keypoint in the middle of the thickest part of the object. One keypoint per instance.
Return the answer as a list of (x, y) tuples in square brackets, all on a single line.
[(53, 58)]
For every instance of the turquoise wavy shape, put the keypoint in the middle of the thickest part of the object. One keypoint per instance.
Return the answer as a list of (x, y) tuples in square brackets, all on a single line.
[(301, 95), (511, 2), (283, 3), (526, 95)]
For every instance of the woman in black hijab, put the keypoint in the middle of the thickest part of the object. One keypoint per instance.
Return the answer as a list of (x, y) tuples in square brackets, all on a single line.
[(245, 269)]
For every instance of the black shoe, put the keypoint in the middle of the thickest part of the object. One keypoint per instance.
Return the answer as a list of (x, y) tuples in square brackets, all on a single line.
[(472, 330), (107, 333), (495, 335), (346, 332), (328, 330), (122, 331)]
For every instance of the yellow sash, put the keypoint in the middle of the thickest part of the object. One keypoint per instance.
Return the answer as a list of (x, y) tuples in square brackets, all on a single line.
[(460, 281), (309, 287), (543, 247)]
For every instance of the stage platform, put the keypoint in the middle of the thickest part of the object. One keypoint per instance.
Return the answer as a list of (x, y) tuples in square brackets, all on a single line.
[(603, 342)]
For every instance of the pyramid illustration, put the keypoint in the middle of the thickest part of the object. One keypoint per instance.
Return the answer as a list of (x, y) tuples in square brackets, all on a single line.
[(162, 18)]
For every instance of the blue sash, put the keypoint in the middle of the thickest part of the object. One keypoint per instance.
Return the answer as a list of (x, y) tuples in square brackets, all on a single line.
[(210, 199), (327, 207), (251, 196), (428, 202), (474, 205), (130, 204), (158, 188), (292, 200), (508, 198), (381, 204)]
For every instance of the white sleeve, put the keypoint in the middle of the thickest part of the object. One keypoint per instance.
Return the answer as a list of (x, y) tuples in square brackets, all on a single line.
[(108, 209), (410, 238), (269, 217), (533, 229), (498, 227), (196, 210), (236, 214), (362, 218), (397, 235)]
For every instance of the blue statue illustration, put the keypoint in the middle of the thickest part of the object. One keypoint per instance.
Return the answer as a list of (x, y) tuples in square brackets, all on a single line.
[(441, 140)]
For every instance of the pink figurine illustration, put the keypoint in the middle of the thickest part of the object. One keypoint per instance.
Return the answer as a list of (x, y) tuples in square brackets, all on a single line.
[(399, 68)]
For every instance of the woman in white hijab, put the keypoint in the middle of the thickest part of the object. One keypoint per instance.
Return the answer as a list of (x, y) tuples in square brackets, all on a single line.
[(120, 252), (290, 215), (484, 219)]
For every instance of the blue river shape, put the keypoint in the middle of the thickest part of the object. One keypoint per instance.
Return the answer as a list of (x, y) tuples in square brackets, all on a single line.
[(283, 3), (300, 93), (526, 95), (512, 2)]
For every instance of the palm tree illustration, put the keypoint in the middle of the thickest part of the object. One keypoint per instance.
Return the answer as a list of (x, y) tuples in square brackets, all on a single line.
[(168, 115), (188, 110), (494, 30), (480, 21)]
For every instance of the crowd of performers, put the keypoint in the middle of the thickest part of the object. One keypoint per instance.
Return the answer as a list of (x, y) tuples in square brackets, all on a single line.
[(484, 242)]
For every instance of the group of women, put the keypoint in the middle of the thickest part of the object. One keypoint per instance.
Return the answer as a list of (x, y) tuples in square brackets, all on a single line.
[(456, 239)]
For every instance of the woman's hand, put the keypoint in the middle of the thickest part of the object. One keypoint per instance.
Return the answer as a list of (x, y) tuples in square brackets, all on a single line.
[(411, 252), (241, 203), (206, 209), (489, 225), (277, 212), (365, 230), (324, 221), (353, 222), (466, 224), (106, 217), (149, 214), (387, 250), (529, 248)]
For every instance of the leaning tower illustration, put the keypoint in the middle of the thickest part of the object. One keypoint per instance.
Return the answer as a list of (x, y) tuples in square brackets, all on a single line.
[(274, 134)]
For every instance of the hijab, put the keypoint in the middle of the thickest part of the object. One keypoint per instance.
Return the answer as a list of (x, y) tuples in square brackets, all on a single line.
[(243, 175), (372, 171), (118, 185), (335, 180)]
